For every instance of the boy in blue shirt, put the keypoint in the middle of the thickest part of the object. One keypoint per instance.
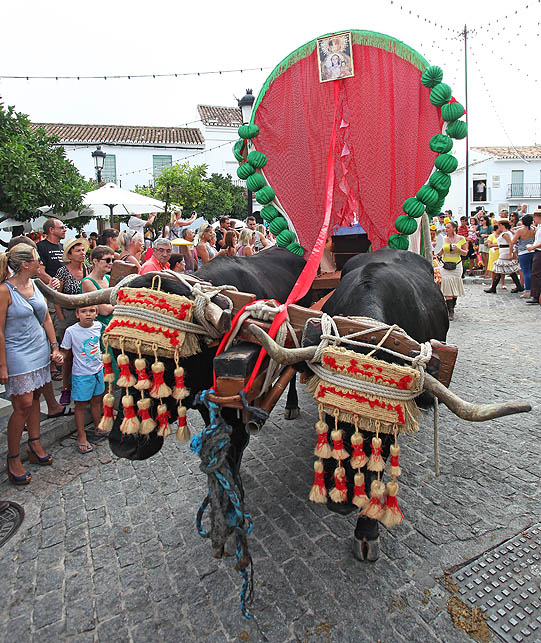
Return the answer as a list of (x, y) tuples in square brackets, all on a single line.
[(81, 349)]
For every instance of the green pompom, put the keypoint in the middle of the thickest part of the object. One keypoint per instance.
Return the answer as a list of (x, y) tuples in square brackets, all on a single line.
[(265, 195), (440, 181), (452, 111), (277, 225), (255, 182), (399, 242), (440, 94), (433, 210), (296, 249), (427, 195), (236, 150), (413, 207), (244, 171), (440, 143), (248, 131), (269, 212), (431, 76), (285, 237), (446, 163), (405, 224), (457, 129), (258, 159)]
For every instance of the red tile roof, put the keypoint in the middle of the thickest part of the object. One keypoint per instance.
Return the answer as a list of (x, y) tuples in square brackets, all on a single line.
[(212, 115), (530, 152), (124, 135)]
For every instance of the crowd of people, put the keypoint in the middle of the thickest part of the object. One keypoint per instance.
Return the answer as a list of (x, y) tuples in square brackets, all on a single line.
[(507, 245), (41, 341)]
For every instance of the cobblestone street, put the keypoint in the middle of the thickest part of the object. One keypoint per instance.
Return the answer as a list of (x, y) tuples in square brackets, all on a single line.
[(108, 550)]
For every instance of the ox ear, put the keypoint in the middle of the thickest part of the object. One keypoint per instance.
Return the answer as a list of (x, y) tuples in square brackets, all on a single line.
[(133, 447)]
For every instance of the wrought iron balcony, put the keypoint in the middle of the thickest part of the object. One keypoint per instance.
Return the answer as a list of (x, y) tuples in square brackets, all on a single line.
[(523, 190)]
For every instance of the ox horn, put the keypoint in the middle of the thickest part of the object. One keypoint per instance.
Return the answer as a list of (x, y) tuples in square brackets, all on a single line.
[(93, 298), (467, 410), (280, 354)]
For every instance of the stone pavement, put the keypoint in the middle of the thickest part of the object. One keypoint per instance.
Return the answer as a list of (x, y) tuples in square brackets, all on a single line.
[(109, 552)]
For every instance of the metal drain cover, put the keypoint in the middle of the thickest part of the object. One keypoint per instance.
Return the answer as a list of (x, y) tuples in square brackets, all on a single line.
[(11, 518), (505, 583)]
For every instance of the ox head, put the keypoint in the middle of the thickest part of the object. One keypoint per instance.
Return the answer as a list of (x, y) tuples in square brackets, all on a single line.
[(461, 408)]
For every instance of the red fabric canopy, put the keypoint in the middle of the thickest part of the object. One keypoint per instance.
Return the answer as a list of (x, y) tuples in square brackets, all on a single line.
[(382, 156)]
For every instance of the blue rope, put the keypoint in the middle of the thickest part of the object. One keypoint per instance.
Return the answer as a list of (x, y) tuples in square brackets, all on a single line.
[(224, 496)]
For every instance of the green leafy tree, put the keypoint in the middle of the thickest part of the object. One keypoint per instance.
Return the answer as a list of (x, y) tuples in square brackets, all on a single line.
[(223, 197), (34, 170)]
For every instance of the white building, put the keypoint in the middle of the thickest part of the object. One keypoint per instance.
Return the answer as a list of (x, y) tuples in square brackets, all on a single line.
[(220, 125), (499, 177), (135, 154)]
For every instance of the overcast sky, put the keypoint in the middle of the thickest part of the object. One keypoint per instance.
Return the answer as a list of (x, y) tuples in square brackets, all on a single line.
[(121, 37)]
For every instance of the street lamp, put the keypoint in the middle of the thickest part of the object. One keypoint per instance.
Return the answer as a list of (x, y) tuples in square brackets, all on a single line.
[(246, 104), (99, 159)]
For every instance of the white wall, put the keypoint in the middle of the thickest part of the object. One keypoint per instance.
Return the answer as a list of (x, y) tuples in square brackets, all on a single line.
[(220, 160)]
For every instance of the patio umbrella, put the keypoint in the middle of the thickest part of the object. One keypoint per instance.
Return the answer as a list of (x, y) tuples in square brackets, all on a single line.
[(102, 202)]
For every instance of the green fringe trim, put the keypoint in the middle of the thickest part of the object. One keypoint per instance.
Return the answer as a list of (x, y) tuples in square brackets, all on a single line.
[(359, 37)]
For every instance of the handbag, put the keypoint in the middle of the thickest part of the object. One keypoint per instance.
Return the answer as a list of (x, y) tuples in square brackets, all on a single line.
[(449, 265)]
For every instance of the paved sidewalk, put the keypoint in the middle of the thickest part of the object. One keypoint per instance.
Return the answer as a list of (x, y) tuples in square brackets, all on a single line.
[(109, 552)]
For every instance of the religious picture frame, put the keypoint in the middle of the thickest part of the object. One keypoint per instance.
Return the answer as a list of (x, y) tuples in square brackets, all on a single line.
[(334, 57)]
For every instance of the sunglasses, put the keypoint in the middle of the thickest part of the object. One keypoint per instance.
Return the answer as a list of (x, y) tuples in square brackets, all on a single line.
[(108, 259)]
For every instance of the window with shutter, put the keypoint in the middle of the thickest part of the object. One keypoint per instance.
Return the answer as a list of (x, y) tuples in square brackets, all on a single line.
[(159, 162), (108, 174)]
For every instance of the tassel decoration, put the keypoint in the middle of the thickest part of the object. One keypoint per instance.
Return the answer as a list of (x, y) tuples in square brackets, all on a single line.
[(318, 492), (183, 431), (359, 494), (130, 423), (162, 418), (159, 387), (375, 462), (394, 468), (143, 380), (339, 493), (374, 508), (338, 452), (147, 423), (392, 514), (108, 374), (106, 422), (126, 377), (322, 450), (359, 457), (180, 391)]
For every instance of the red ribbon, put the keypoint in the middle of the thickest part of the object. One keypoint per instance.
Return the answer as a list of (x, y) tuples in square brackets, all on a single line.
[(125, 371), (107, 411), (182, 420), (358, 490), (338, 445), (358, 451), (319, 479), (321, 440), (141, 374), (158, 381), (392, 504), (129, 412), (144, 414), (376, 453), (394, 461), (179, 381), (107, 367), (340, 483), (163, 419)]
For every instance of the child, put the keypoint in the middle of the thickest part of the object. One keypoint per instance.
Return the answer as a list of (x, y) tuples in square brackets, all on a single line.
[(81, 349)]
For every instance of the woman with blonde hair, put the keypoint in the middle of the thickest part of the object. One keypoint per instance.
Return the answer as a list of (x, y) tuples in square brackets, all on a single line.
[(204, 249), (27, 345), (246, 242), (131, 246)]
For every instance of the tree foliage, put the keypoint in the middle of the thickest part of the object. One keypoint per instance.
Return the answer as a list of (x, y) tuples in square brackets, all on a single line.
[(34, 170), (223, 197)]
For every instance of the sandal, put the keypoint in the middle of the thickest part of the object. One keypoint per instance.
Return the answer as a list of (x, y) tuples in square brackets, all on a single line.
[(85, 448), (17, 480), (63, 413), (35, 458)]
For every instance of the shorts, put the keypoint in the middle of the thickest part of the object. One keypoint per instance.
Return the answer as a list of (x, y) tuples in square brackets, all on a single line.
[(85, 387)]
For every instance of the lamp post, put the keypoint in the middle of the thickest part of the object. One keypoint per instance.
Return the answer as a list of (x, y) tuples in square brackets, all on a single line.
[(246, 104), (99, 159)]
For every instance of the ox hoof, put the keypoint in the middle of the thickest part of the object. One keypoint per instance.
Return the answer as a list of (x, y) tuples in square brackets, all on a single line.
[(366, 549), (291, 414)]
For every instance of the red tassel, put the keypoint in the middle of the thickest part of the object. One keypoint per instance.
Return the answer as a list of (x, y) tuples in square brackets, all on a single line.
[(339, 493), (359, 494), (376, 463), (392, 514), (318, 492), (143, 380), (106, 422), (183, 431), (374, 508), (126, 377), (130, 423), (162, 418), (359, 457), (147, 423), (322, 450), (394, 467), (338, 452), (108, 374), (159, 387), (179, 392)]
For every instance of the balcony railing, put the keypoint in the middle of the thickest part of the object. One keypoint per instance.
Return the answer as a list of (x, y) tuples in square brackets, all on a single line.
[(523, 190)]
